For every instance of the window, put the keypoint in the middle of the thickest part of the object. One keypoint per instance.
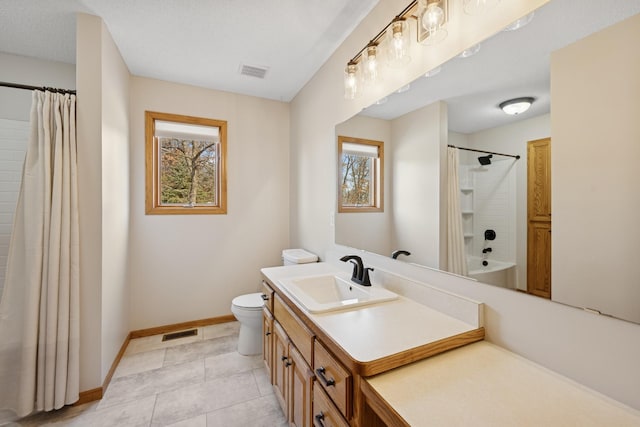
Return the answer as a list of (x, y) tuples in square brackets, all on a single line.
[(185, 164), (360, 175)]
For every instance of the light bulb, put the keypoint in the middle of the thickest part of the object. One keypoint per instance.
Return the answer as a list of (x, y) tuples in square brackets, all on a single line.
[(432, 21), (371, 64), (433, 18)]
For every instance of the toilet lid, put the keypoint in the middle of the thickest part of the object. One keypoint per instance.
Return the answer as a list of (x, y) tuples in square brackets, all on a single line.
[(249, 301)]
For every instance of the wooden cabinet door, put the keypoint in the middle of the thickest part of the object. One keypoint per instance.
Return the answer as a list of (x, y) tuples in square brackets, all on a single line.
[(539, 217), (267, 342), (280, 360), (300, 388)]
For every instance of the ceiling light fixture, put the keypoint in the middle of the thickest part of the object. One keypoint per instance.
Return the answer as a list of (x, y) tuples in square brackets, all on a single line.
[(517, 105), (478, 7)]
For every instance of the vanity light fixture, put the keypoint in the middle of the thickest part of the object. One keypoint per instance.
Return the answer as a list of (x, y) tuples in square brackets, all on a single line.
[(394, 41), (478, 7), (517, 105), (432, 15)]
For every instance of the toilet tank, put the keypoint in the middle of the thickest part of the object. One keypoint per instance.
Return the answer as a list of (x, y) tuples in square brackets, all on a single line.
[(298, 256)]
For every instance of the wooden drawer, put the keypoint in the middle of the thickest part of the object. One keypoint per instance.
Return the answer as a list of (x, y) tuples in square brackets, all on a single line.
[(334, 378), (324, 413), (298, 333), (267, 296)]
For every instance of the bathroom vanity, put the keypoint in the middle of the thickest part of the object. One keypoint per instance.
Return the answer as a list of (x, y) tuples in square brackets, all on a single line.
[(317, 361), (404, 363)]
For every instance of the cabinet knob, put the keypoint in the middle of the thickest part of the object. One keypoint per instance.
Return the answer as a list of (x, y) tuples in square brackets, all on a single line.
[(267, 333), (265, 297), (328, 382), (318, 419), (283, 358)]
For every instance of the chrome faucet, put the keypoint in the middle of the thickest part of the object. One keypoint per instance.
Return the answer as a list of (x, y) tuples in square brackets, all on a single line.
[(360, 274)]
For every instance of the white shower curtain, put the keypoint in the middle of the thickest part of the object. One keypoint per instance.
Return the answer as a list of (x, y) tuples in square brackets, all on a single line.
[(456, 257), (39, 310)]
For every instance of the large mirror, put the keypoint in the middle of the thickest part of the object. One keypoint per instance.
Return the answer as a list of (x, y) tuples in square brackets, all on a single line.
[(581, 55)]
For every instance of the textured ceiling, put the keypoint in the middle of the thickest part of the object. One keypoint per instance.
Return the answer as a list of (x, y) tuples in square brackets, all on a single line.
[(197, 42)]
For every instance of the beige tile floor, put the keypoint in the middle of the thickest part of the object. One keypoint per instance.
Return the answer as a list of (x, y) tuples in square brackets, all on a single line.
[(198, 381)]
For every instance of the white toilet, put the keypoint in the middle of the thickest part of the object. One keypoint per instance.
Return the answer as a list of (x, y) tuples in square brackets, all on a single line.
[(248, 308)]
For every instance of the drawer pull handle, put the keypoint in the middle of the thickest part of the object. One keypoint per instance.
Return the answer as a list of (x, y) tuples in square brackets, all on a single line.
[(265, 297), (328, 382), (318, 419)]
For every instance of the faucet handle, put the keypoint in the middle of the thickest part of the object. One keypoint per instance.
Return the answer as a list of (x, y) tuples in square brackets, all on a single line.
[(365, 277)]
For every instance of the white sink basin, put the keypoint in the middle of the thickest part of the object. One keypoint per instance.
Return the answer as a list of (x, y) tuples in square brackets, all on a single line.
[(319, 294)]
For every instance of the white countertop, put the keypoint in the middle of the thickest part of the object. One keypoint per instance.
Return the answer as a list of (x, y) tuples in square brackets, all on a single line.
[(482, 384), (374, 331)]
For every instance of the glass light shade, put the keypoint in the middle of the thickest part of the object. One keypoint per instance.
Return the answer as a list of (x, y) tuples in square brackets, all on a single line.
[(519, 23), (516, 106), (471, 51), (404, 88), (433, 72), (478, 7), (352, 83), (432, 21), (371, 64), (398, 43)]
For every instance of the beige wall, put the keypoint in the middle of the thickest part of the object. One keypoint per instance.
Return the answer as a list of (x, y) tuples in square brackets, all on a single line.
[(595, 204), (103, 145), (599, 352), (89, 131), (186, 267), (417, 146), (15, 104), (115, 200), (371, 230)]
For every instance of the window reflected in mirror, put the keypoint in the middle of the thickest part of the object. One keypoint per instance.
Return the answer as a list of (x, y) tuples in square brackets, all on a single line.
[(360, 175)]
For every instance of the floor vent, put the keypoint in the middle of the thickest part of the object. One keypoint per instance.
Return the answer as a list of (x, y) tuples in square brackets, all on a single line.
[(181, 334), (253, 71)]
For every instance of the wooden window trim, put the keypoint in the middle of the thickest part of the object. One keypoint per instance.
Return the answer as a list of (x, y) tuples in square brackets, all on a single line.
[(378, 171), (152, 196)]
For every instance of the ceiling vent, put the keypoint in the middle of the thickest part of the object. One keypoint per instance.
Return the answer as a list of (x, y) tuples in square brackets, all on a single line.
[(253, 71)]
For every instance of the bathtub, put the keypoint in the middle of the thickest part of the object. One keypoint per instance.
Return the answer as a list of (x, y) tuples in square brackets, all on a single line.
[(497, 273)]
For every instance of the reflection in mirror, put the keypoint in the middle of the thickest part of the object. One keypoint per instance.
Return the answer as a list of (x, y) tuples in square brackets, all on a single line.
[(459, 106)]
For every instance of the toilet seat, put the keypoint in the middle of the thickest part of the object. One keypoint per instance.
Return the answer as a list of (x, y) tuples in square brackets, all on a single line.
[(249, 301)]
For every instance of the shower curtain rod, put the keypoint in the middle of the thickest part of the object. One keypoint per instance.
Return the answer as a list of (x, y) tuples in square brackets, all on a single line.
[(28, 87), (487, 152)]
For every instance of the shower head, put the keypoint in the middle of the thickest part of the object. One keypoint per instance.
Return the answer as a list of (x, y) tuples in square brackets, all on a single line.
[(485, 160)]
